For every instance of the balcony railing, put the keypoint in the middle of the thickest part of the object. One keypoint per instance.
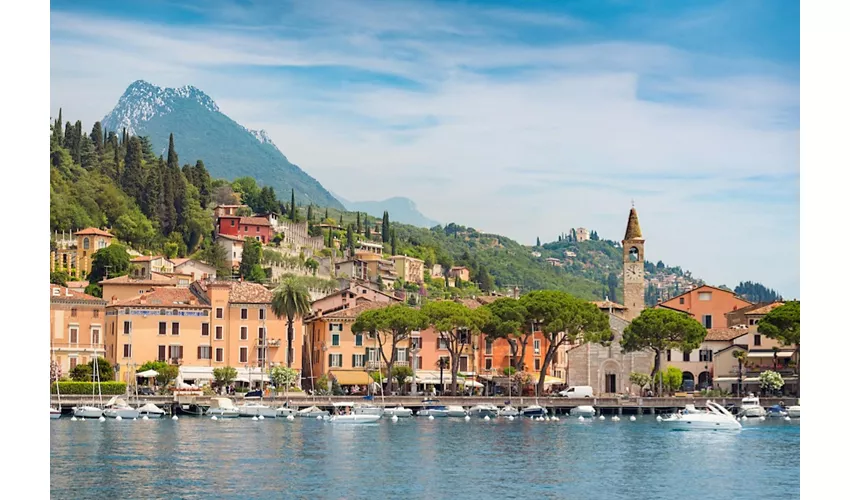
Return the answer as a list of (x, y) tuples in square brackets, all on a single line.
[(79, 346), (175, 361), (271, 343)]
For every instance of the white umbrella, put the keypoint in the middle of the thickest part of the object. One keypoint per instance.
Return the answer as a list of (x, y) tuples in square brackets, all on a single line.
[(148, 374)]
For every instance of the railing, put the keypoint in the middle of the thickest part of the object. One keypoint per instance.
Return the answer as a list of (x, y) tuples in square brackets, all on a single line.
[(268, 343), (79, 346), (175, 361)]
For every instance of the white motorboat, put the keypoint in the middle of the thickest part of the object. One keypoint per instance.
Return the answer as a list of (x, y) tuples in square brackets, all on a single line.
[(456, 411), (399, 411), (367, 409), (714, 418), (151, 410), (583, 411), (222, 408), (794, 411), (484, 410), (312, 412), (54, 413), (508, 411), (117, 407), (255, 409), (533, 411), (692, 409), (88, 412), (750, 407), (344, 413), (285, 411), (432, 408)]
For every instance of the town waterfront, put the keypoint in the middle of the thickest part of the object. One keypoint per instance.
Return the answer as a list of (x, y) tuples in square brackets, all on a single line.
[(420, 458)]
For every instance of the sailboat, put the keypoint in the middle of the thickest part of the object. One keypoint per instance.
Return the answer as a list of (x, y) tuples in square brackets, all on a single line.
[(508, 410), (254, 408), (56, 412), (534, 410), (95, 409)]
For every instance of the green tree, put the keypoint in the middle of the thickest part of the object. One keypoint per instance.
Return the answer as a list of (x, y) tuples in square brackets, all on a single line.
[(659, 330), (401, 374), (639, 379), (457, 325), (292, 208), (224, 376), (82, 373), (349, 237), (782, 324), (485, 281), (166, 375), (612, 287), (385, 228), (394, 244), (113, 260), (133, 176), (290, 299), (282, 376), (741, 357), (105, 370), (59, 278), (359, 227), (312, 265), (252, 254), (134, 228), (367, 231), (508, 320), (310, 213), (538, 241), (672, 378)]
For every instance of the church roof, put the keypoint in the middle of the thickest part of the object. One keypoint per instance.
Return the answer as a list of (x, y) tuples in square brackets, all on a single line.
[(633, 227)]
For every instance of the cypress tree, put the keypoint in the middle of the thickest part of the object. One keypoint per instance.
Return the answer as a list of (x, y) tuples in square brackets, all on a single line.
[(393, 246), (203, 182), (133, 176), (385, 228), (368, 232), (88, 153), (326, 213), (97, 137), (310, 212), (292, 207), (68, 141), (349, 235), (340, 219), (115, 159), (359, 227), (58, 129), (173, 162), (538, 241)]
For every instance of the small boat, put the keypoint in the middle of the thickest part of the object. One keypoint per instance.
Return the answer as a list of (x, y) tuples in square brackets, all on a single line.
[(222, 408), (484, 410), (151, 410), (399, 411), (367, 409), (714, 418), (508, 411), (88, 412), (54, 413), (533, 411), (750, 407), (312, 412), (455, 411), (191, 409), (117, 407), (253, 409), (432, 408), (344, 413), (583, 411), (777, 411), (794, 411), (285, 411)]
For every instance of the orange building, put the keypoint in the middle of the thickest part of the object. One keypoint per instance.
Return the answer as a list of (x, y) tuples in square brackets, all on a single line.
[(126, 287), (707, 304), (76, 329)]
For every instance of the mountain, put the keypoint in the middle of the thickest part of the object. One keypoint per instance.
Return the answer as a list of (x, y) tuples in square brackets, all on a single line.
[(202, 131), (401, 209)]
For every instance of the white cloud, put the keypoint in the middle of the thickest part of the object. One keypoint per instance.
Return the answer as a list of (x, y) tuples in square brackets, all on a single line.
[(590, 115)]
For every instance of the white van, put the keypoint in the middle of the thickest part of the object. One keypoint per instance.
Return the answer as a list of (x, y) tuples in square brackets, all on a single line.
[(578, 391)]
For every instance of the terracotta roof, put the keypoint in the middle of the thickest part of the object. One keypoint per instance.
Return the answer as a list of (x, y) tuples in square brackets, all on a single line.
[(93, 231), (607, 304), (256, 221), (77, 284), (706, 286), (470, 303), (353, 312), (633, 227), (61, 294), (156, 279), (178, 262), (247, 292), (164, 297), (766, 309), (230, 237), (725, 333)]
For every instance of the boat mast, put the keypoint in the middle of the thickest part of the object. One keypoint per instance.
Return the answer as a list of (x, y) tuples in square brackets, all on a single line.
[(53, 356)]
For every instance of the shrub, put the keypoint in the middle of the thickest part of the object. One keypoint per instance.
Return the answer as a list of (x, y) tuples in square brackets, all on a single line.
[(85, 388)]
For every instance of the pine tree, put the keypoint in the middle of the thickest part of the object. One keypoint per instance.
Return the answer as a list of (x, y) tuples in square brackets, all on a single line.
[(326, 214), (310, 212), (359, 227), (57, 129), (385, 228), (173, 162), (97, 137), (292, 208), (89, 158), (393, 246), (538, 241), (133, 176), (349, 235), (368, 232)]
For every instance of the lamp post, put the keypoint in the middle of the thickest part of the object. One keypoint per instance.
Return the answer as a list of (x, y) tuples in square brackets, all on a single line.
[(413, 352)]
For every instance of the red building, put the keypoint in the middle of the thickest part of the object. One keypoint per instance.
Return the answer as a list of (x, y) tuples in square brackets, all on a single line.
[(253, 227)]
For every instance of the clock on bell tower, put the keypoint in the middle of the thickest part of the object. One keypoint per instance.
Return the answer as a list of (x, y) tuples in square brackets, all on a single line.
[(633, 258)]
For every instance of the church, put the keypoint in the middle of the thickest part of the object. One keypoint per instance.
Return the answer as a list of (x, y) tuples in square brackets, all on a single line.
[(607, 369)]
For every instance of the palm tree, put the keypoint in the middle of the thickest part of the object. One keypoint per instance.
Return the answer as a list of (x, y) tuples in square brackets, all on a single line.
[(290, 299), (741, 356)]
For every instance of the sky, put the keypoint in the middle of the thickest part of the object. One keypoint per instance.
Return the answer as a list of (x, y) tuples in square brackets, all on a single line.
[(523, 118)]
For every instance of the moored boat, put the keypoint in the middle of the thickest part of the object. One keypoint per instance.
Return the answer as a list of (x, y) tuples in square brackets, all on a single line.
[(312, 412), (151, 410), (508, 411), (794, 411), (751, 407), (777, 411), (399, 411), (456, 411), (583, 411), (714, 418), (533, 411), (367, 409), (484, 410), (55, 413), (432, 408), (222, 408), (254, 409), (344, 413), (117, 407)]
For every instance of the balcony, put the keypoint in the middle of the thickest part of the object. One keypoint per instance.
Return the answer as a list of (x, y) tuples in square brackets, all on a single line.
[(79, 347), (375, 365), (175, 361), (271, 343)]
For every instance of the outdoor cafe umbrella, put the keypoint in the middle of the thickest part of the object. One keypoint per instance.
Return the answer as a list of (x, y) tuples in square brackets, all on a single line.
[(148, 374)]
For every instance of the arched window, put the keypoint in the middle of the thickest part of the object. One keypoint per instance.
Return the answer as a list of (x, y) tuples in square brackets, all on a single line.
[(85, 243), (634, 254)]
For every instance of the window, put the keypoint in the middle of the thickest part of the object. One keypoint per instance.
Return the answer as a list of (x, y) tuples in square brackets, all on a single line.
[(704, 296), (536, 346), (160, 353), (95, 336), (417, 362), (415, 342), (756, 339), (73, 362), (669, 354), (72, 335), (219, 312), (463, 336), (752, 322), (163, 327), (175, 352), (73, 312), (537, 364), (244, 313), (261, 356), (686, 356), (488, 364), (175, 328), (705, 355), (219, 354), (335, 327), (232, 223), (706, 320), (95, 313), (681, 300), (464, 364), (335, 360), (335, 339), (442, 344), (261, 333), (358, 340), (358, 360), (262, 313), (205, 330), (243, 333), (128, 350), (204, 352), (219, 333), (85, 243), (401, 354), (128, 327), (243, 354), (163, 312), (488, 346)]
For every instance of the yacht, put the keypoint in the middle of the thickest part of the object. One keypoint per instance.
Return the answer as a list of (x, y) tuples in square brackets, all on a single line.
[(345, 413), (750, 407), (583, 411), (508, 411), (222, 408), (533, 411), (714, 418), (255, 409), (312, 412), (285, 411), (432, 408), (456, 411), (794, 411), (367, 409), (399, 411), (117, 407), (484, 410), (151, 410)]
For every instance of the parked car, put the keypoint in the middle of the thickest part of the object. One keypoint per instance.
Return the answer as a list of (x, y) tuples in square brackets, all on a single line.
[(578, 391)]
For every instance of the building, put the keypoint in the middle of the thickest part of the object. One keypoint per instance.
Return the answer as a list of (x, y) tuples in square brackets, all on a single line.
[(196, 269), (613, 308), (296, 235), (582, 234), (706, 304), (378, 268), (73, 255), (126, 287), (352, 268), (76, 329), (461, 272), (233, 246), (437, 271), (698, 366), (370, 247), (245, 227), (552, 261), (232, 210), (409, 269), (145, 265), (633, 267)]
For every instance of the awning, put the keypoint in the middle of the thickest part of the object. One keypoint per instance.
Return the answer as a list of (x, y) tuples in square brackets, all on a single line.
[(471, 383), (769, 354), (196, 373), (351, 377), (147, 374), (550, 380)]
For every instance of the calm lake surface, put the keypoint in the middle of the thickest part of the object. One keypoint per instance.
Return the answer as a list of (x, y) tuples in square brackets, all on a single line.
[(420, 458)]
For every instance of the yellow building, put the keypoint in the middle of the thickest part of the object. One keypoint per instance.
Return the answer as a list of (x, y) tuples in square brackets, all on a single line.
[(410, 269), (76, 329), (73, 255)]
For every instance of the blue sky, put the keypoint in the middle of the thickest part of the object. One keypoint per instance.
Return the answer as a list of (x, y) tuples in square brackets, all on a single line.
[(522, 118)]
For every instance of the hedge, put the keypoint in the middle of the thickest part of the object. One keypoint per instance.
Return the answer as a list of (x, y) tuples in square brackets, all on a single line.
[(85, 388)]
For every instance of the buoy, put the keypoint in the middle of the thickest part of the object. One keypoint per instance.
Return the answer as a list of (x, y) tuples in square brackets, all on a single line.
[(319, 417), (601, 417), (658, 418), (466, 418), (556, 419), (430, 417), (580, 418), (134, 419), (762, 417), (510, 417), (632, 418), (744, 418), (102, 419), (73, 419), (118, 417), (290, 417), (547, 419), (787, 419), (486, 417), (254, 418), (174, 417), (262, 417), (615, 418), (145, 417), (395, 418), (214, 418)]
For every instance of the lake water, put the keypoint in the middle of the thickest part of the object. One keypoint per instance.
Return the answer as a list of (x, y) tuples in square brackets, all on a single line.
[(420, 458)]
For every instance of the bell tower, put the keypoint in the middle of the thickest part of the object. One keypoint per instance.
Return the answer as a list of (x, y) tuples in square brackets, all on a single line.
[(633, 258)]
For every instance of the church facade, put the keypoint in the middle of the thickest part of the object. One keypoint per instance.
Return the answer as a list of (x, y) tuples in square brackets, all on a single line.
[(607, 369)]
